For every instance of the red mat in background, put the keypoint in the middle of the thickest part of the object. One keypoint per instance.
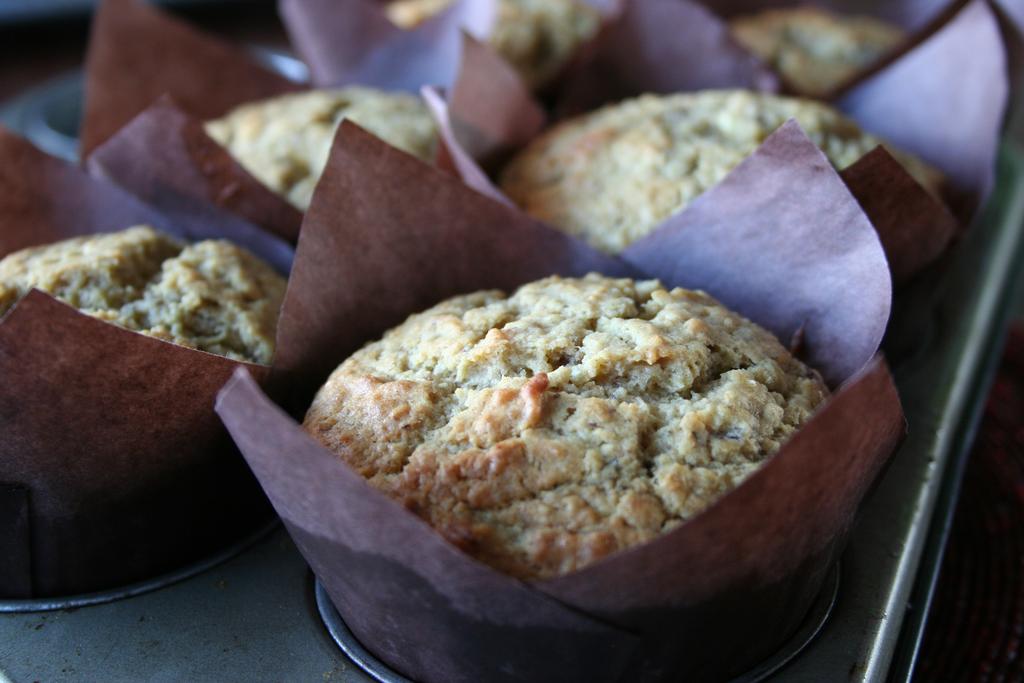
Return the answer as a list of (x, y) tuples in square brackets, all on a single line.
[(976, 627)]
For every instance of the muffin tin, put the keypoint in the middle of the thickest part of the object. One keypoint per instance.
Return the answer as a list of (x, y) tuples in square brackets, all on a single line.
[(259, 615)]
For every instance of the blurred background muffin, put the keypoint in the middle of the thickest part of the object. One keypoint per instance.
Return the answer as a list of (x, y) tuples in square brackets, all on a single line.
[(815, 50), (613, 175), (284, 142), (538, 37)]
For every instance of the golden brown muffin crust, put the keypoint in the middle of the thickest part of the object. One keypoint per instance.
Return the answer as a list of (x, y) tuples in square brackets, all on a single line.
[(212, 295), (544, 430)]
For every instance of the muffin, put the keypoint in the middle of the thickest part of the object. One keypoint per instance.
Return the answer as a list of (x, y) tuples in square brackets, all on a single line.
[(538, 37), (816, 51), (211, 295), (613, 175), (544, 430), (284, 142)]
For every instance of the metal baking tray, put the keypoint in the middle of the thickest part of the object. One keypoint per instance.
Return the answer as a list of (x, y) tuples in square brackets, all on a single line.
[(256, 616)]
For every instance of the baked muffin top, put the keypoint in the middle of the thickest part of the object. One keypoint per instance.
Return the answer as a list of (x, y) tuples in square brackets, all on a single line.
[(611, 176), (538, 37), (285, 141), (814, 50), (544, 430), (212, 295)]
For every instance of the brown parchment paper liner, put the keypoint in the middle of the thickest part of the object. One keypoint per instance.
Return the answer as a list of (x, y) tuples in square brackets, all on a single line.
[(137, 54), (942, 96), (914, 227), (352, 42), (412, 235), (151, 146), (491, 110), (113, 466), (164, 157)]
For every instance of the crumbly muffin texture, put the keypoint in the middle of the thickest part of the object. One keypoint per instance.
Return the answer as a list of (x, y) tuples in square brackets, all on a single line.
[(538, 37), (814, 50), (212, 295), (285, 141), (611, 176), (545, 430)]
